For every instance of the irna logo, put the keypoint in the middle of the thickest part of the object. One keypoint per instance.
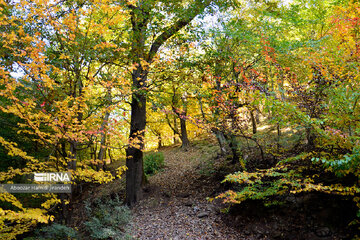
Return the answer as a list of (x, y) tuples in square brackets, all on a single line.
[(53, 177)]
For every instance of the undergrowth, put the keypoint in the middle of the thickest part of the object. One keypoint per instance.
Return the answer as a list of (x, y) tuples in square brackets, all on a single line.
[(108, 219), (153, 162)]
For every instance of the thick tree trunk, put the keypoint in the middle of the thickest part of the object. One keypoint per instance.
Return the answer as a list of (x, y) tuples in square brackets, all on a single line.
[(184, 137), (134, 154)]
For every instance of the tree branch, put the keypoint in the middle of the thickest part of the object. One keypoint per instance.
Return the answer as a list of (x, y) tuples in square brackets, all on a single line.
[(170, 31)]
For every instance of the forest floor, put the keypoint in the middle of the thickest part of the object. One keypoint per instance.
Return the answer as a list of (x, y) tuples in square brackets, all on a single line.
[(175, 206)]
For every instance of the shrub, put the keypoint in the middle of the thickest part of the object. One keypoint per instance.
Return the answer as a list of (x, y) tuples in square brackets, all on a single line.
[(108, 219), (56, 231), (153, 162)]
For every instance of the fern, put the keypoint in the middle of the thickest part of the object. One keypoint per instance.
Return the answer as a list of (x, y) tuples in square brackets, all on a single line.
[(107, 219)]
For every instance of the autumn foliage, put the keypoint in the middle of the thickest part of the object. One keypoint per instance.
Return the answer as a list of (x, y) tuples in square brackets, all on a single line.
[(277, 85)]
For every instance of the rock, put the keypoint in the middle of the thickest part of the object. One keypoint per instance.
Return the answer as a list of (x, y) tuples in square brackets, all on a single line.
[(323, 232), (203, 214)]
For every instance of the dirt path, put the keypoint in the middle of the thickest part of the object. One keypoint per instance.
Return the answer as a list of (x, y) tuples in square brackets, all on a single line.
[(175, 205)]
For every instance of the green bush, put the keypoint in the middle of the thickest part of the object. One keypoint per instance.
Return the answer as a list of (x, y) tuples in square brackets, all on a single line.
[(56, 231), (108, 219), (153, 162)]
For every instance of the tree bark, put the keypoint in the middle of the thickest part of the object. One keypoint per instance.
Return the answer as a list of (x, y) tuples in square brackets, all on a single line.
[(184, 137), (140, 17), (134, 154)]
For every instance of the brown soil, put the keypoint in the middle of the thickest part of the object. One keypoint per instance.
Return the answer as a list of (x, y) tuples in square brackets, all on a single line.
[(175, 205)]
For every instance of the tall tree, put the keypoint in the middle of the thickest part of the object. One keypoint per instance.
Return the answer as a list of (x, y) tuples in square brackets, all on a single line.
[(143, 13)]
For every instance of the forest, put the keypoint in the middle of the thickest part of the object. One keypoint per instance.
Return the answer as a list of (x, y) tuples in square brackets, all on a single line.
[(180, 119)]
